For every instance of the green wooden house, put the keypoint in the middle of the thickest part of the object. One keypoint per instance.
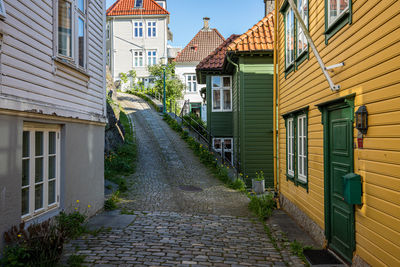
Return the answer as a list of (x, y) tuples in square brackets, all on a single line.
[(239, 78)]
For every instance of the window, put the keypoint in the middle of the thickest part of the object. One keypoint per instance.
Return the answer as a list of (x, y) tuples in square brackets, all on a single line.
[(2, 9), (108, 31), (161, 3), (301, 148), (224, 145), (289, 33), (337, 14), (221, 93), (40, 170), (302, 43), (297, 146), (151, 29), (108, 58), (290, 147), (191, 83), (138, 3), (152, 57), (72, 36), (138, 58), (138, 29)]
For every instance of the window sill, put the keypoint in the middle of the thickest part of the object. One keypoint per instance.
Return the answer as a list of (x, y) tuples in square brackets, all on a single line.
[(300, 59), (289, 69), (220, 111), (67, 63), (40, 213), (340, 22)]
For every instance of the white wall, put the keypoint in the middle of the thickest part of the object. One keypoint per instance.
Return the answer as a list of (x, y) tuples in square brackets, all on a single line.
[(123, 42), (181, 70), (30, 77)]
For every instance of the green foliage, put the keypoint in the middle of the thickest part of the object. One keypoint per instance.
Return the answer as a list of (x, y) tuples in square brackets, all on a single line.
[(195, 122), (259, 176), (41, 244), (297, 248), (262, 206), (76, 260), (238, 184), (111, 203), (127, 212), (147, 99), (173, 85), (123, 77), (122, 161)]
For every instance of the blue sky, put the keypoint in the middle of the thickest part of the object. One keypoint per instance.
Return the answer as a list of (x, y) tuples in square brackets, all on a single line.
[(228, 16)]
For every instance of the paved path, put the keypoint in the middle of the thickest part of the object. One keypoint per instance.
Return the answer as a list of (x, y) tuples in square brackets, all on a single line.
[(183, 216)]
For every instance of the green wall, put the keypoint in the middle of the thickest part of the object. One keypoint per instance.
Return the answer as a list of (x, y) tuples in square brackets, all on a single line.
[(255, 120)]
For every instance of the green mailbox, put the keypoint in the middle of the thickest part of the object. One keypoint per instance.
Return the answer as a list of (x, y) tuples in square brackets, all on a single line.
[(352, 188)]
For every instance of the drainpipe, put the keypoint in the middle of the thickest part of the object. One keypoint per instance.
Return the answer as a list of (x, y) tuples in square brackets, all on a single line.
[(276, 106), (237, 85)]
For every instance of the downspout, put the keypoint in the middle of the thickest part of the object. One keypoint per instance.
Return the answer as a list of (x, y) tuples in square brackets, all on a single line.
[(237, 86), (275, 105)]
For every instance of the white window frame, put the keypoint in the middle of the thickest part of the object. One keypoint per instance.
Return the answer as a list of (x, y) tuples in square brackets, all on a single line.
[(219, 150), (76, 14), (3, 12), (221, 88), (191, 82), (138, 25), (138, 57), (302, 148), (151, 59), (289, 33), (32, 129), (152, 28), (339, 13), (290, 147), (302, 7)]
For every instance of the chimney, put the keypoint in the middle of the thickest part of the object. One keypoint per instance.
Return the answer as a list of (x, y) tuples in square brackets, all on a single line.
[(206, 24), (269, 6)]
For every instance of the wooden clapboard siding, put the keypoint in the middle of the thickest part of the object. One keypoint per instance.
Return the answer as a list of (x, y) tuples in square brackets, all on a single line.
[(30, 73), (369, 47), (256, 116)]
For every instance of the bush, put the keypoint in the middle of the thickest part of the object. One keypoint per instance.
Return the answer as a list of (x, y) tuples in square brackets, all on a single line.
[(71, 225), (238, 184), (262, 206)]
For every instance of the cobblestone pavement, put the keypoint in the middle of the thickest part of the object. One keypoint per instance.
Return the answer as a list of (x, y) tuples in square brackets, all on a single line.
[(182, 215)]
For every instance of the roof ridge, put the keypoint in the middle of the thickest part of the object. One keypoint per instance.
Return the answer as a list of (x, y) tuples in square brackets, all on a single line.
[(127, 8)]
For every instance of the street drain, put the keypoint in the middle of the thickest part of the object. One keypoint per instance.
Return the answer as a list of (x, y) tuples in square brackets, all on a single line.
[(190, 188)]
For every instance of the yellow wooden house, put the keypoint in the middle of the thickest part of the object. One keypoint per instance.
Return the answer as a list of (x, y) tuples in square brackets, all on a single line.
[(337, 148)]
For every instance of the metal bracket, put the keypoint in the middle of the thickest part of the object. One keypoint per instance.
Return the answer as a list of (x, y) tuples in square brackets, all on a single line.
[(341, 64)]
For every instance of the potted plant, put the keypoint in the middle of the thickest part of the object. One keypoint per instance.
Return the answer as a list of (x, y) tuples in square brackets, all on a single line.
[(258, 184)]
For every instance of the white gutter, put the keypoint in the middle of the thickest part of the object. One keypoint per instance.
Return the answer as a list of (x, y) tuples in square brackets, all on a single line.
[(310, 41)]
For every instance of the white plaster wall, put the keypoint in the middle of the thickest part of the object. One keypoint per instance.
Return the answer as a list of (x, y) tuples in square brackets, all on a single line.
[(123, 42)]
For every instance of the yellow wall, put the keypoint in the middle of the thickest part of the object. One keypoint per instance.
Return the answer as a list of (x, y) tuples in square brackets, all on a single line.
[(370, 49)]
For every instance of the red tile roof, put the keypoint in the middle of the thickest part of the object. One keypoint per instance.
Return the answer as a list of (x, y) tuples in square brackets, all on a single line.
[(259, 38), (215, 60), (200, 46), (126, 8)]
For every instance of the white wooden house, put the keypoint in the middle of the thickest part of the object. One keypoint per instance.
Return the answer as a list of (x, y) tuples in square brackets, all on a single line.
[(52, 108)]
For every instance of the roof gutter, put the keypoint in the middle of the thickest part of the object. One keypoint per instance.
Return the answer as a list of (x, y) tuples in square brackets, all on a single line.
[(310, 41)]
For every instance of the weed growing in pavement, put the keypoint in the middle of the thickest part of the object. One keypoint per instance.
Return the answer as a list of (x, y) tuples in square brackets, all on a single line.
[(262, 206), (297, 249), (111, 203), (76, 260), (127, 212)]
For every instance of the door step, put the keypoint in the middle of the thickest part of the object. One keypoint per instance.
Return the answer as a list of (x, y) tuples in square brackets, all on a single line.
[(322, 257)]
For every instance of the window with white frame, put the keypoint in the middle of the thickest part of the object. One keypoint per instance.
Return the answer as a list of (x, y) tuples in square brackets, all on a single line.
[(40, 169), (151, 29), (290, 147), (191, 83), (138, 29), (221, 93), (138, 3), (138, 58), (2, 9), (224, 145), (302, 43), (289, 34), (151, 57), (302, 148), (108, 31), (72, 37), (335, 9)]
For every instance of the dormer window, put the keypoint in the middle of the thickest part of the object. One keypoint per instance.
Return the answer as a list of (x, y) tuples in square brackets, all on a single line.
[(138, 3), (2, 9)]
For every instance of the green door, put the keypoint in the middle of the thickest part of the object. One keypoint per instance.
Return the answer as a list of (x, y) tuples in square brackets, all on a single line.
[(340, 148)]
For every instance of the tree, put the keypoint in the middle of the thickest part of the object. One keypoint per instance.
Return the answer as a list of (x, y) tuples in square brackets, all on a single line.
[(173, 86)]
